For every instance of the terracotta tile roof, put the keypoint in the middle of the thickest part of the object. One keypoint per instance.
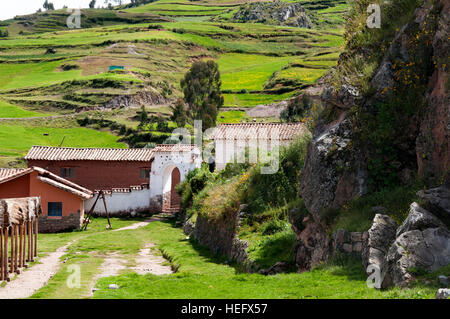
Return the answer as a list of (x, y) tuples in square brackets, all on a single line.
[(7, 174), (64, 183), (65, 187), (89, 154), (163, 148), (284, 131)]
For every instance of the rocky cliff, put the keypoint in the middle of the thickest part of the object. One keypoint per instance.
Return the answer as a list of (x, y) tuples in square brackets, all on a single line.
[(387, 118)]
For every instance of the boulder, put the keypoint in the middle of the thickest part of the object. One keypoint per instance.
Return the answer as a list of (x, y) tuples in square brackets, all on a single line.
[(437, 201), (443, 293), (417, 250), (418, 219), (379, 238)]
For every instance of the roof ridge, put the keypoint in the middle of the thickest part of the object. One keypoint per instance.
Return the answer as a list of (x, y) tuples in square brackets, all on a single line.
[(88, 148)]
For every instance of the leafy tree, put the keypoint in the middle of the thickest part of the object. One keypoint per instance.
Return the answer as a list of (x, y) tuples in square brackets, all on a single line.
[(92, 4), (201, 88), (296, 109), (179, 114)]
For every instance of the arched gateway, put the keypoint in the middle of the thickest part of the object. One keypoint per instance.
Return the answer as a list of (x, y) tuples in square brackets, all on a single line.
[(170, 166)]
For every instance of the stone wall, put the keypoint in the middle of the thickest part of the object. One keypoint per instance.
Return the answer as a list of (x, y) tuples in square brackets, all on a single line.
[(63, 223), (220, 237), (349, 242)]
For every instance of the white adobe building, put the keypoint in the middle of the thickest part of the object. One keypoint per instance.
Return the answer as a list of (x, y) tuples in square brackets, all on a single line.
[(231, 140)]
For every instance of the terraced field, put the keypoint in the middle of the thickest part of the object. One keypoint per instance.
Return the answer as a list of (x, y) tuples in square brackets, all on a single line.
[(48, 70)]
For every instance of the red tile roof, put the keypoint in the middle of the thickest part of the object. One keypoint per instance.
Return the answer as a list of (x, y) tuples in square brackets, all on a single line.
[(8, 174), (89, 154), (283, 131)]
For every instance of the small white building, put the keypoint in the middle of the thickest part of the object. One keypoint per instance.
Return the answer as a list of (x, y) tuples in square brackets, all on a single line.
[(170, 166), (260, 139)]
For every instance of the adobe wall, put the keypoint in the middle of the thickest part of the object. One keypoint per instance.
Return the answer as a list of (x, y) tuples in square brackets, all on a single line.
[(121, 202), (72, 204), (96, 175), (17, 188)]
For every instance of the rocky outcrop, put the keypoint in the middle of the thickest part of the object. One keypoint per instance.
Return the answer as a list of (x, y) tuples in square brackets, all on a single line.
[(433, 141), (143, 98), (292, 14), (312, 245), (334, 172)]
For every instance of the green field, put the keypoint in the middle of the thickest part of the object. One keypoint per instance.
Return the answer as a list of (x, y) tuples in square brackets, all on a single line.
[(17, 139), (155, 43), (8, 110)]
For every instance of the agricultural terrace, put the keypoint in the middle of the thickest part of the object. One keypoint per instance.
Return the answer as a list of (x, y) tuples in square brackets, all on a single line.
[(64, 74)]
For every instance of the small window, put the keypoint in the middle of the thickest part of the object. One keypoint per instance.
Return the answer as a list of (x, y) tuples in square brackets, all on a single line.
[(145, 172), (54, 209), (67, 172)]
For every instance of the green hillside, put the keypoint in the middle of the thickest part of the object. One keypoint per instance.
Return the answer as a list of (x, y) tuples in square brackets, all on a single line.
[(47, 69)]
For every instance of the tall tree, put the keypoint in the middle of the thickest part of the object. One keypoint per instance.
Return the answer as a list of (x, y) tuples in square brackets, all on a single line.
[(201, 88), (179, 115), (92, 4)]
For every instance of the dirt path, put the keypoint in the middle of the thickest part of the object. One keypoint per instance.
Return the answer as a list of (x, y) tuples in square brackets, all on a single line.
[(140, 224), (34, 278), (148, 263), (112, 266)]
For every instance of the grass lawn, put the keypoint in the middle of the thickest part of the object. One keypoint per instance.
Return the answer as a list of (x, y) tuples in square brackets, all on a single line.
[(200, 273), (204, 275)]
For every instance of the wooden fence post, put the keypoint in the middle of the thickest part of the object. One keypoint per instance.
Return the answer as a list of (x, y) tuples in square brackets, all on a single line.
[(5, 253), (36, 226), (12, 266), (16, 251), (1, 255)]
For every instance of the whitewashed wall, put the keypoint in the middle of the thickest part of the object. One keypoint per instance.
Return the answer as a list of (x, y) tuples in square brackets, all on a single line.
[(227, 151), (119, 203), (162, 167)]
